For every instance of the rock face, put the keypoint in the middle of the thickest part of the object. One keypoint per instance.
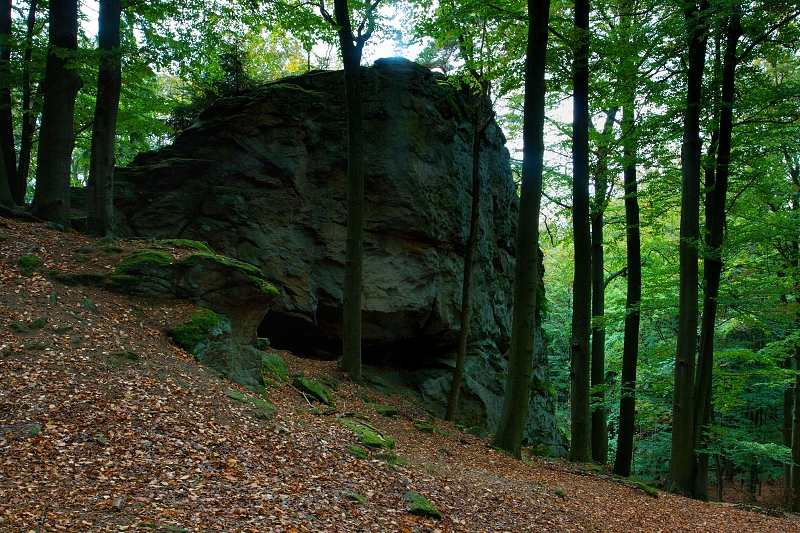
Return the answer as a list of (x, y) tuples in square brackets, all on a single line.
[(262, 177)]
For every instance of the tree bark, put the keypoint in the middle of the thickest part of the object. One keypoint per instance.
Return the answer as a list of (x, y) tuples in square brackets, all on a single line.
[(466, 287), (104, 129), (6, 123), (580, 407), (351, 48), (598, 397), (523, 325), (683, 468), (5, 192), (715, 225), (788, 400), (633, 297), (56, 138), (19, 184), (795, 478)]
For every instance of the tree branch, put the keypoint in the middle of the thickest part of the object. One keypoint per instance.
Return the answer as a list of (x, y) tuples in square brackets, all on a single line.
[(766, 34), (622, 272)]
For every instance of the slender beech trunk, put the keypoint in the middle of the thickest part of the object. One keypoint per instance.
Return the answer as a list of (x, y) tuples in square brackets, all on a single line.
[(580, 408), (633, 297), (715, 225), (19, 185), (788, 399), (683, 467), (56, 138), (104, 128), (598, 397), (351, 48), (795, 477), (466, 287), (6, 123), (523, 326)]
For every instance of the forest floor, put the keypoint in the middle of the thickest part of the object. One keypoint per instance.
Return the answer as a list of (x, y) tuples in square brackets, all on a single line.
[(105, 425)]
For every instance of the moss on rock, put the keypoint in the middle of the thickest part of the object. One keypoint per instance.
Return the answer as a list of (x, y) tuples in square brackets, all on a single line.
[(27, 264), (369, 435), (273, 366), (192, 333), (420, 506), (313, 389)]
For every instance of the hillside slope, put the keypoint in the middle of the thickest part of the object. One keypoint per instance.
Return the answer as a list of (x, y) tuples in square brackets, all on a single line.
[(105, 425)]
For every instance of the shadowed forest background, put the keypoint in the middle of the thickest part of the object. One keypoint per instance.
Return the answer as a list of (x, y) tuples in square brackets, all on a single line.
[(666, 198)]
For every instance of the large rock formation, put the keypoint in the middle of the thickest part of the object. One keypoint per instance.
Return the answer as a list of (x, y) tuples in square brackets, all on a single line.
[(262, 177)]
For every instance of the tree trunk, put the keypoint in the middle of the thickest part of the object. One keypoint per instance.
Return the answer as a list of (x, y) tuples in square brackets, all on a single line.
[(715, 225), (19, 184), (581, 444), (630, 349), (682, 467), (56, 138), (5, 192), (523, 327), (795, 477), (599, 422), (104, 129), (6, 123), (788, 399), (354, 249), (458, 373)]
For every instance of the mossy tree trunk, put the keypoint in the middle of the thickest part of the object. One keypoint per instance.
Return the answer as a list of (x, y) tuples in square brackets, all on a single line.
[(523, 327)]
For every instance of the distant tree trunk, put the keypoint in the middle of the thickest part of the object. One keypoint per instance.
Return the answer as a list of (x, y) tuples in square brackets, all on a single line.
[(795, 477), (523, 327), (5, 192), (6, 124), (630, 349), (104, 129), (682, 467), (581, 445), (715, 224), (466, 287), (788, 399), (56, 138), (19, 184), (599, 422)]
